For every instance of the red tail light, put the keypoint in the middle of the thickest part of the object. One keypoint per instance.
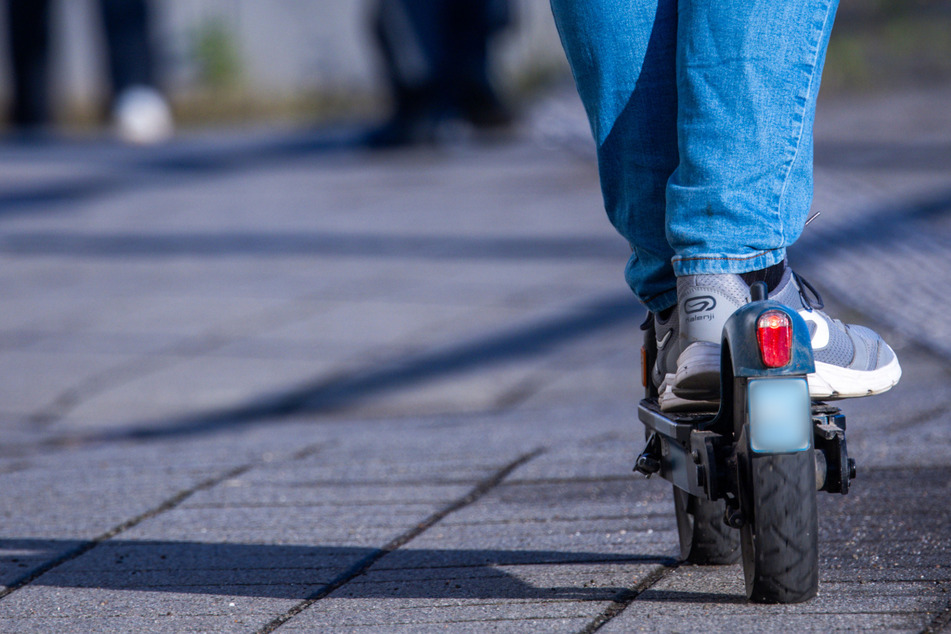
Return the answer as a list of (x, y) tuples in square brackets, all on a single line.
[(774, 336)]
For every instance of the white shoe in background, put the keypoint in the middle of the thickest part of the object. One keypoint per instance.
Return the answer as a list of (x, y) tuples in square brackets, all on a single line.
[(142, 116)]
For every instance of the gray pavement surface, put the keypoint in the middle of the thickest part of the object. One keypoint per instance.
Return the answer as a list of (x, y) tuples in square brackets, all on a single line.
[(260, 381)]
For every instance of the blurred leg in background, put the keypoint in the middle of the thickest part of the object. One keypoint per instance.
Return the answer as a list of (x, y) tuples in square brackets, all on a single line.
[(473, 25), (435, 55), (409, 33), (139, 112), (28, 22)]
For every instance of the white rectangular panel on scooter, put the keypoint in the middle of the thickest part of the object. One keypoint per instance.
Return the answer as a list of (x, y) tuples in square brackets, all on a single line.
[(779, 415)]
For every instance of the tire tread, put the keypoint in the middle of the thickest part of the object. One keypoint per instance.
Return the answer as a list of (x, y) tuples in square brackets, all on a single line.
[(785, 537), (712, 542)]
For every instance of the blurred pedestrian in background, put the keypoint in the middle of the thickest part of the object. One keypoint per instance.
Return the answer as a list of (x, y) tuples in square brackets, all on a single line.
[(139, 112), (435, 54)]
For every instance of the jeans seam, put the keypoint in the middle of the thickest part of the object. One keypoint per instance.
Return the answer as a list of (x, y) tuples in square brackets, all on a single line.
[(817, 50)]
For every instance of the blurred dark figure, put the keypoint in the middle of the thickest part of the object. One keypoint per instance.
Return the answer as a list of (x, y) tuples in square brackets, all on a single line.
[(436, 58), (138, 110)]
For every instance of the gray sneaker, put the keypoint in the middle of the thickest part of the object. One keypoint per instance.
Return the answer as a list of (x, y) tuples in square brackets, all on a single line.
[(663, 374), (667, 334), (851, 361)]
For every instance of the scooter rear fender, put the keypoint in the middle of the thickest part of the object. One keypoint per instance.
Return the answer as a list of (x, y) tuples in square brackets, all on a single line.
[(739, 338)]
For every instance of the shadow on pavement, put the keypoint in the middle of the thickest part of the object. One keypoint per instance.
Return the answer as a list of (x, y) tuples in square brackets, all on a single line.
[(129, 168), (299, 572), (877, 226), (315, 244), (877, 155), (336, 393)]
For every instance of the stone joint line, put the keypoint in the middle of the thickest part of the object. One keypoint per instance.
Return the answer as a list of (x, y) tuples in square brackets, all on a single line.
[(164, 507), (364, 564), (626, 597)]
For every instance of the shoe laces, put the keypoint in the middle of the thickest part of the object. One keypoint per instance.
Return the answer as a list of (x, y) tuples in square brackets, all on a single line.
[(810, 297)]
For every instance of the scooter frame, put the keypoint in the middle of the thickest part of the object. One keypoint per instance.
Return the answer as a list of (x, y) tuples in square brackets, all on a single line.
[(709, 457)]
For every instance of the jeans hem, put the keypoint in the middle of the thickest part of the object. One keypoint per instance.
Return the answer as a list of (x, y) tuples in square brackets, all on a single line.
[(722, 264), (661, 302)]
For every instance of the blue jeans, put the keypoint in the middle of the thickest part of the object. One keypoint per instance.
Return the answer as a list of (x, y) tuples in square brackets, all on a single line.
[(702, 112)]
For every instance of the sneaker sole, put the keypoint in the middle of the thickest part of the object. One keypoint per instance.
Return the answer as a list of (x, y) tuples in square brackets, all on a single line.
[(698, 378), (673, 404), (698, 372), (831, 382)]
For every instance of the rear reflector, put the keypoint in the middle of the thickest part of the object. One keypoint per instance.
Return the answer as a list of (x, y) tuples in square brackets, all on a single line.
[(774, 336)]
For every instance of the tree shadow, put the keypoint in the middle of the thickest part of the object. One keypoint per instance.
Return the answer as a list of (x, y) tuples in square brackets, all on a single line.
[(327, 395), (301, 572), (324, 244), (874, 155), (124, 168)]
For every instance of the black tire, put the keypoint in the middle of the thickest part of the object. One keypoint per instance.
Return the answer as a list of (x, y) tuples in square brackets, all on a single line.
[(780, 536), (704, 538)]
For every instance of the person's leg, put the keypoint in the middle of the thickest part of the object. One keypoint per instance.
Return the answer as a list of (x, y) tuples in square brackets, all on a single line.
[(410, 34), (28, 26), (128, 43), (622, 54), (139, 111), (748, 78), (473, 23), (735, 188)]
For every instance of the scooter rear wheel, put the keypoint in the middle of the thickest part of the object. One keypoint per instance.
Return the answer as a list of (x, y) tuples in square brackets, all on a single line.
[(780, 539), (704, 538)]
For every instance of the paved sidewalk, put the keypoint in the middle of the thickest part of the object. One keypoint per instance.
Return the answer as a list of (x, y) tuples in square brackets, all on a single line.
[(258, 381)]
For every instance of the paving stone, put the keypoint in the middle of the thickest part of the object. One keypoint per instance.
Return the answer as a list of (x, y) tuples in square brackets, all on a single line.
[(250, 366)]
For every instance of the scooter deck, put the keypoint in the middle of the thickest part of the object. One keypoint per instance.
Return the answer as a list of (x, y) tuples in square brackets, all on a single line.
[(682, 449), (650, 413)]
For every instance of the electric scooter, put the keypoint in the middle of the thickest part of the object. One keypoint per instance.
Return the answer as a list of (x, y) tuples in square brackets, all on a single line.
[(745, 477)]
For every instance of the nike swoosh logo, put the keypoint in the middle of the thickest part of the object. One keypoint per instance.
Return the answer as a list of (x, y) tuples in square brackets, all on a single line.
[(663, 341)]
